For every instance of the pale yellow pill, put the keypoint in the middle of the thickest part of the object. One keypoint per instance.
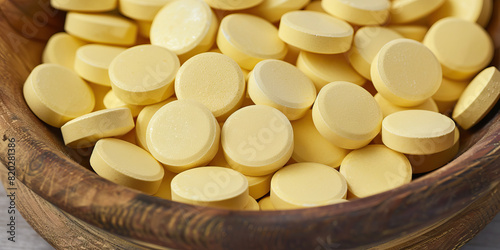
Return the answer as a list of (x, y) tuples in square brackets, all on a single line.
[(478, 98), (303, 185), (316, 32), (462, 47), (257, 140), (249, 39), (211, 186), (282, 86), (311, 146), (405, 11), (367, 43), (144, 74), (100, 92), (448, 94), (233, 5), (101, 28), (324, 69), (252, 205), (273, 10), (183, 134), (56, 94), (364, 12), (389, 108), (345, 121), (265, 204), (112, 101), (144, 10), (86, 130), (259, 186), (61, 49), (165, 190), (142, 122), (315, 6), (129, 137), (92, 62), (186, 27), (427, 163), (415, 32), (406, 73), (418, 132), (126, 164), (84, 5), (213, 79), (375, 169), (478, 11)]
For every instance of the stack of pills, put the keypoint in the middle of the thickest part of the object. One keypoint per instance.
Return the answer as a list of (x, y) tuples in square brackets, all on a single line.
[(266, 104)]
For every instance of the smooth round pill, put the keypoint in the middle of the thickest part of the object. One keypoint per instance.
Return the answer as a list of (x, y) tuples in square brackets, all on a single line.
[(126, 164), (273, 10), (374, 169), (367, 43), (418, 132), (211, 186), (316, 32), (405, 11), (311, 146), (142, 122), (259, 186), (61, 49), (86, 130), (415, 32), (252, 205), (315, 6), (186, 27), (233, 5), (389, 108), (282, 86), (165, 190), (56, 94), (213, 79), (478, 98), (347, 115), (144, 10), (478, 11), (101, 28), (406, 73), (100, 92), (92, 62), (84, 5), (257, 140), (183, 134), (112, 101), (448, 94), (303, 185), (462, 47), (249, 39), (324, 69), (144, 74), (265, 204), (364, 12)]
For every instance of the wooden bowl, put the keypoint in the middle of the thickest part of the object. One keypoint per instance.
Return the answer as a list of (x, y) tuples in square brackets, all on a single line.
[(71, 207)]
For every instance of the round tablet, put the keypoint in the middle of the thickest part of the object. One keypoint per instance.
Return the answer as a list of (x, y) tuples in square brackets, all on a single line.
[(112, 101), (265, 204), (418, 132), (86, 130), (233, 5), (165, 190), (185, 27), (92, 62), (375, 169), (311, 146), (144, 10), (101, 28), (249, 39), (324, 69), (100, 92), (252, 205), (144, 74), (126, 164), (315, 6), (463, 48), (415, 32), (84, 5), (367, 43), (56, 94), (478, 11), (281, 85), (183, 134), (142, 122), (273, 10), (61, 49), (211, 186), (303, 185), (214, 80), (257, 140), (450, 90), (405, 11), (478, 98), (364, 12), (406, 73), (316, 32), (389, 108), (345, 121), (259, 186)]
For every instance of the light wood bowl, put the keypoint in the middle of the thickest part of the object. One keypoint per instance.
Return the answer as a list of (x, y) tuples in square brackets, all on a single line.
[(70, 206)]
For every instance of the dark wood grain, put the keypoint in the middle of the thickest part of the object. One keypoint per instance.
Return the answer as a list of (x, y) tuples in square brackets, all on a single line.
[(403, 216)]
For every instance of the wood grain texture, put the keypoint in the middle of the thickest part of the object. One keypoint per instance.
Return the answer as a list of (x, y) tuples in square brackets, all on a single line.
[(400, 216)]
